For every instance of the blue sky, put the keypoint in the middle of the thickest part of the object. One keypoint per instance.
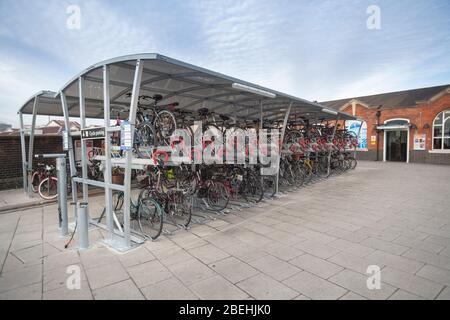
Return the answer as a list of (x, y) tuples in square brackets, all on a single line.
[(318, 50)]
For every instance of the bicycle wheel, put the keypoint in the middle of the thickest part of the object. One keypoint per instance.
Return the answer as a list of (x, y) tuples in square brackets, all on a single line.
[(35, 181), (48, 188), (307, 171), (217, 196), (253, 189), (322, 168), (299, 175), (286, 176), (117, 200), (180, 208), (269, 185), (165, 125), (150, 218), (353, 162), (144, 140)]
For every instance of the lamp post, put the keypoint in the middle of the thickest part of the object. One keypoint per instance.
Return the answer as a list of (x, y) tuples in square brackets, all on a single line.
[(378, 114)]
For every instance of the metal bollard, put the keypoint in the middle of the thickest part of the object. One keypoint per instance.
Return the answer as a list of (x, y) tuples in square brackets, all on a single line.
[(62, 195), (83, 225)]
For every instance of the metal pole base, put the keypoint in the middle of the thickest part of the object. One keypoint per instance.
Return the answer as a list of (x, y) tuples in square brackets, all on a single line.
[(119, 244), (83, 225)]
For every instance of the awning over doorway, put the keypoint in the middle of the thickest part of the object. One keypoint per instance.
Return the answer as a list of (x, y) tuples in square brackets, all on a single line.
[(394, 127)]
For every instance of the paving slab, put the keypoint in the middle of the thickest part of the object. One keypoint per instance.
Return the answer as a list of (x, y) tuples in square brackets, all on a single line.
[(314, 287), (295, 247), (317, 266), (169, 289), (217, 288), (263, 287), (148, 273), (107, 274), (233, 269), (274, 267), (208, 253), (411, 283), (357, 283), (124, 290)]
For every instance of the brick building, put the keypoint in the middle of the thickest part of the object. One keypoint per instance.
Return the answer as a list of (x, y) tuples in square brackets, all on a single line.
[(407, 126), (47, 139)]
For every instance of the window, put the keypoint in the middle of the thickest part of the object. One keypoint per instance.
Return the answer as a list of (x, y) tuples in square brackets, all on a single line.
[(441, 131)]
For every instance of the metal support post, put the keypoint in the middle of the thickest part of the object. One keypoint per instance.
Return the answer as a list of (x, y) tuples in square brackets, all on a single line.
[(129, 153), (261, 121), (83, 225), (24, 155), (84, 167), (73, 169), (108, 167), (283, 131), (261, 114), (329, 151), (30, 148), (61, 173)]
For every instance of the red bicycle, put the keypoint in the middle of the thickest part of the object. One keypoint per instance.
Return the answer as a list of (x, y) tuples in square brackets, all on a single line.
[(37, 176), (48, 187)]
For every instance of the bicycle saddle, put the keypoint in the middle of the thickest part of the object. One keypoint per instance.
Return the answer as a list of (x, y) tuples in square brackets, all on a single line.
[(203, 111), (157, 97)]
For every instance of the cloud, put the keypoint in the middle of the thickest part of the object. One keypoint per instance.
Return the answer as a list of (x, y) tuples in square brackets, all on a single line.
[(316, 50)]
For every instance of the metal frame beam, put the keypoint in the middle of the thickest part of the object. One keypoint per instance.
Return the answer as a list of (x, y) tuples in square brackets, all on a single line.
[(331, 149), (129, 153), (84, 155), (152, 80), (107, 173), (30, 148), (73, 169), (283, 131), (24, 154)]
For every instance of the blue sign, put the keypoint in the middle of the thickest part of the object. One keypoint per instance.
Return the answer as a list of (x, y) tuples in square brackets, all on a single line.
[(126, 142), (354, 126)]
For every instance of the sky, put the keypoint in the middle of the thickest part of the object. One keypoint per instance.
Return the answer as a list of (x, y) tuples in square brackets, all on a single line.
[(317, 50)]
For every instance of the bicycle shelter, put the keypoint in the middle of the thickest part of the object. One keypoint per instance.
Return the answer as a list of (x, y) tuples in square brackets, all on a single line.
[(115, 85)]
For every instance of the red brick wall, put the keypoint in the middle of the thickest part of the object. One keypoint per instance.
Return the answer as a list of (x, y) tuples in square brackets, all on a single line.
[(420, 115), (11, 157)]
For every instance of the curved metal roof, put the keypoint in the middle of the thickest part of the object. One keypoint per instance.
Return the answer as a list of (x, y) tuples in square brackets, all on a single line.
[(46, 103), (191, 86)]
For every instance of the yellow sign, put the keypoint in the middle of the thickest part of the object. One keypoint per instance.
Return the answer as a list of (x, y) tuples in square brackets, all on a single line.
[(373, 140)]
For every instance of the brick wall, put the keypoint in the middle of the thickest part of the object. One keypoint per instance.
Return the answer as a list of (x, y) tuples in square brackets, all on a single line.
[(11, 157), (420, 115)]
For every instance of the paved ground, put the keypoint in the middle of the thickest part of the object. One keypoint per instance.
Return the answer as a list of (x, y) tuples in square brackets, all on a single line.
[(315, 243), (16, 199)]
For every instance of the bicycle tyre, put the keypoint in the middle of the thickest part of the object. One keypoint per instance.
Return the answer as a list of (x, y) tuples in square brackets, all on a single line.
[(164, 135), (47, 188), (216, 192), (35, 182), (253, 189), (144, 138), (150, 218), (180, 211), (353, 163), (269, 185)]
